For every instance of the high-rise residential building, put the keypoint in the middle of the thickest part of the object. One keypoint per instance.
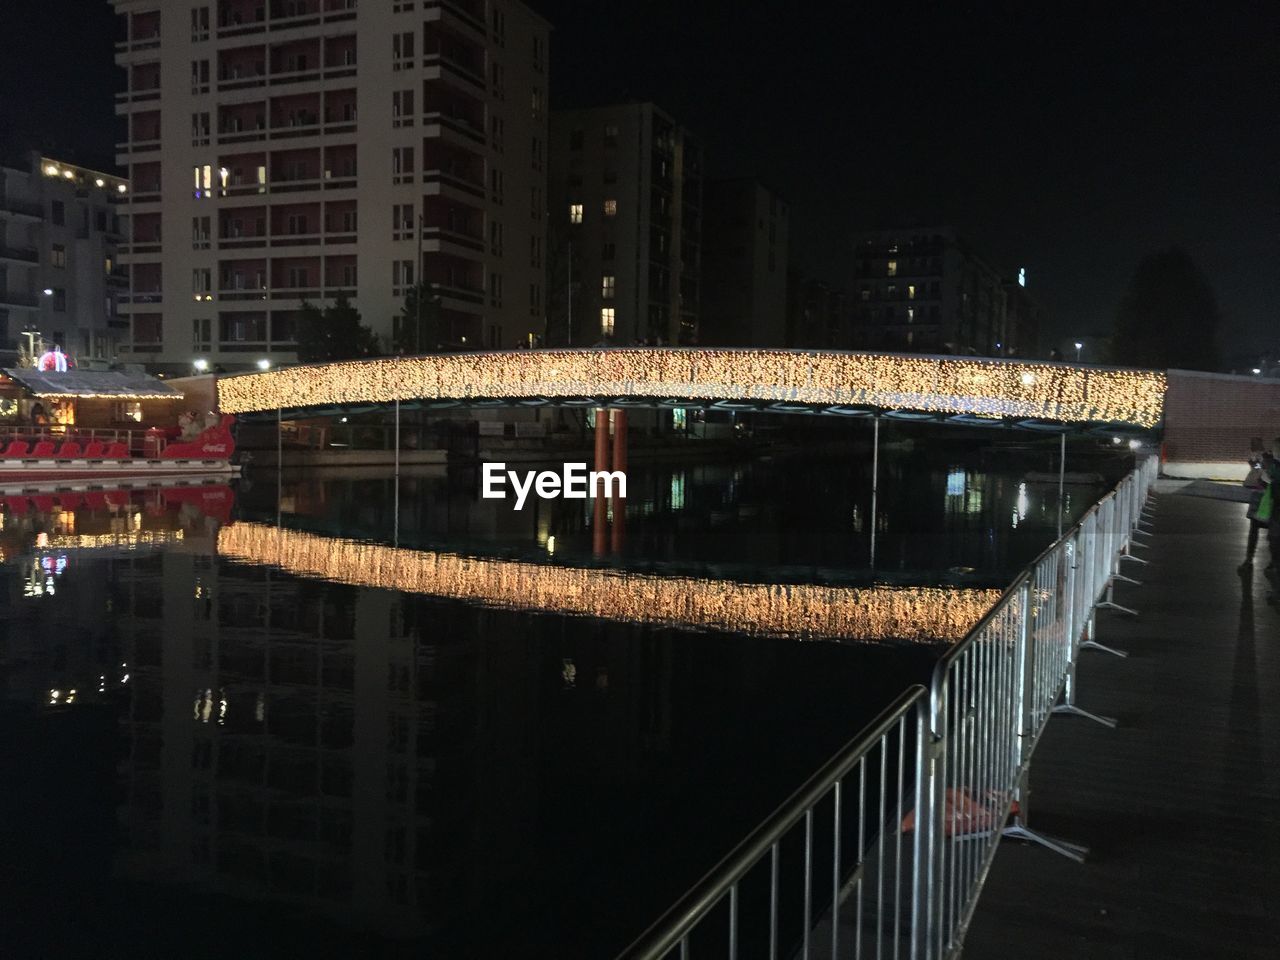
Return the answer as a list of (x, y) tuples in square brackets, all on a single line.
[(818, 313), (744, 265), (925, 290), (297, 150), (59, 277), (1023, 319), (627, 207)]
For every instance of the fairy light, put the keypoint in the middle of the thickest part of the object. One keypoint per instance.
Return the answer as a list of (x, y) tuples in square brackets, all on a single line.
[(801, 611), (946, 385)]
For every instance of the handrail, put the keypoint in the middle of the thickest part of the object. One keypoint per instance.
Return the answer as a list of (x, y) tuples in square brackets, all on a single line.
[(674, 925), (989, 699)]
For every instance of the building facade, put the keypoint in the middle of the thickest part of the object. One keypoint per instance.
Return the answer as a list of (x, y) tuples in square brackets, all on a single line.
[(818, 314), (627, 195), (1023, 319), (925, 290), (290, 151), (744, 265), (59, 275)]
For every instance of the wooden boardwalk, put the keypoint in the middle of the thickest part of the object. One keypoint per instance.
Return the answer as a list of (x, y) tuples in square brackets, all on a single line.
[(1181, 804)]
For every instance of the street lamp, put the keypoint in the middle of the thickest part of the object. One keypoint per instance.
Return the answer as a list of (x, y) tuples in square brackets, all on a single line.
[(1079, 347), (1257, 371)]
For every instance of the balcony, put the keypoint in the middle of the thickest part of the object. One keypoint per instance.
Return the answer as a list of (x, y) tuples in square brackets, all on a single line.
[(285, 16), (22, 208), (468, 12), (23, 256), (12, 298)]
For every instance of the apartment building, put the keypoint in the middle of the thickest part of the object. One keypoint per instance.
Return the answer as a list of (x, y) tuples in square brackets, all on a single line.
[(925, 290), (627, 192), (744, 265), (59, 275), (297, 150)]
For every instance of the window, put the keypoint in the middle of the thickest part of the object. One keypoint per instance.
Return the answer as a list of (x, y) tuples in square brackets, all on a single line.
[(58, 213), (199, 24), (539, 54), (535, 102), (535, 202), (199, 129), (402, 108), (199, 76), (401, 276), (402, 221), (611, 135), (201, 341), (535, 299), (497, 127), (611, 208), (575, 140), (609, 251), (58, 256), (401, 50), (911, 291), (126, 410), (606, 321), (535, 251), (402, 163), (536, 154), (495, 237), (495, 289), (575, 213), (201, 282), (59, 301), (608, 283), (296, 224), (496, 78), (496, 182), (499, 26), (891, 268)]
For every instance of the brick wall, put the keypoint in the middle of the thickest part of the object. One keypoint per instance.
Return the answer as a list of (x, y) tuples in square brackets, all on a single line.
[(1218, 418)]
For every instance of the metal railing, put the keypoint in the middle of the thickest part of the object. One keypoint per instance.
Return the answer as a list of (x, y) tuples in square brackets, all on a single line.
[(896, 833)]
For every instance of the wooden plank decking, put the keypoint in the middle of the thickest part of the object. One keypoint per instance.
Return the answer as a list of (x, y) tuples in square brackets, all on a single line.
[(1181, 803)]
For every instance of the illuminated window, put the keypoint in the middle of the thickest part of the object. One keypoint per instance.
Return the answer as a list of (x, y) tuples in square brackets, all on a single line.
[(575, 213), (58, 256), (911, 291), (611, 208), (606, 321), (607, 285), (892, 268)]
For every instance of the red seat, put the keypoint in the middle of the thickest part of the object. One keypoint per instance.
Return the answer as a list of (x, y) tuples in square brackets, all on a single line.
[(94, 450), (43, 503), (16, 449), (17, 504), (69, 450), (42, 450), (68, 501), (117, 451), (95, 500)]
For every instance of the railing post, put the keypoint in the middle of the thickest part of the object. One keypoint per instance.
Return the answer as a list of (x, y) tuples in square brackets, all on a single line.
[(930, 790)]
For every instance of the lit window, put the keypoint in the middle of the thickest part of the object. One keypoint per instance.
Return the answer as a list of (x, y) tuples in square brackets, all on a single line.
[(606, 321), (911, 291), (892, 268), (611, 208), (575, 213), (607, 284)]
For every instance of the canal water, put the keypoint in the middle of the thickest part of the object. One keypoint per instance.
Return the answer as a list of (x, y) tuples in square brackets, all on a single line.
[(341, 716)]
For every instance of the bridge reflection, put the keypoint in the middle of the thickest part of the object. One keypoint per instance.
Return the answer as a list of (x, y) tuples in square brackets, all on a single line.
[(778, 380), (802, 611)]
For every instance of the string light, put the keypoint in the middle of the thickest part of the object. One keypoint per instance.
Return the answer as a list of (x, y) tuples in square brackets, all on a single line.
[(988, 388), (802, 611)]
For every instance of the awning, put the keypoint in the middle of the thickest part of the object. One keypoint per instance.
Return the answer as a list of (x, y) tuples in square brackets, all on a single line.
[(89, 384)]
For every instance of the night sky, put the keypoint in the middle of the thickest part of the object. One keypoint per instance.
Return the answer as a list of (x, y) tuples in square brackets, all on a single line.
[(1068, 141)]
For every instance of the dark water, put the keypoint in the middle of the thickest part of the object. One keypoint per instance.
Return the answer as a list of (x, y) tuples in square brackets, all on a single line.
[(257, 763)]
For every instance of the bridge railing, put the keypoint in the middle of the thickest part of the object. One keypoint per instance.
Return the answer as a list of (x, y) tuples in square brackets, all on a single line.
[(884, 851)]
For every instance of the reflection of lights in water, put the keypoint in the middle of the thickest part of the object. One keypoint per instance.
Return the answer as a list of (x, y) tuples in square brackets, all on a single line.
[(955, 482), (792, 610), (677, 490), (260, 708), (1023, 506), (551, 545), (568, 672), (222, 706)]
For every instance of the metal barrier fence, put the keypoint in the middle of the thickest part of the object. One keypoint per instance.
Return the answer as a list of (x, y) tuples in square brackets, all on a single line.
[(883, 852)]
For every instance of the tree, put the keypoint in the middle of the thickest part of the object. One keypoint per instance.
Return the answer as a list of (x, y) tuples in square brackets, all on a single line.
[(420, 332), (1169, 316), (334, 333)]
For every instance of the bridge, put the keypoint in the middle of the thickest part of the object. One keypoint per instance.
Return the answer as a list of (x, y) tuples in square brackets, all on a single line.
[(958, 389)]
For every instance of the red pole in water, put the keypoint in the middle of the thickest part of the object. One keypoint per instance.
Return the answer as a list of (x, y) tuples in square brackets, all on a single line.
[(600, 513), (620, 436)]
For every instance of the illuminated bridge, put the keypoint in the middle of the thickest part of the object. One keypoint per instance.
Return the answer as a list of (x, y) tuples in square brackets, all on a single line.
[(959, 389)]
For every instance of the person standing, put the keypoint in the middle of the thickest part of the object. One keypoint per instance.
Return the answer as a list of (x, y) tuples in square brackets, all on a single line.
[(1257, 483)]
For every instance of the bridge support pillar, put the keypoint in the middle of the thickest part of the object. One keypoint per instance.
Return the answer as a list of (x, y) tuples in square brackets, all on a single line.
[(600, 508), (620, 437)]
